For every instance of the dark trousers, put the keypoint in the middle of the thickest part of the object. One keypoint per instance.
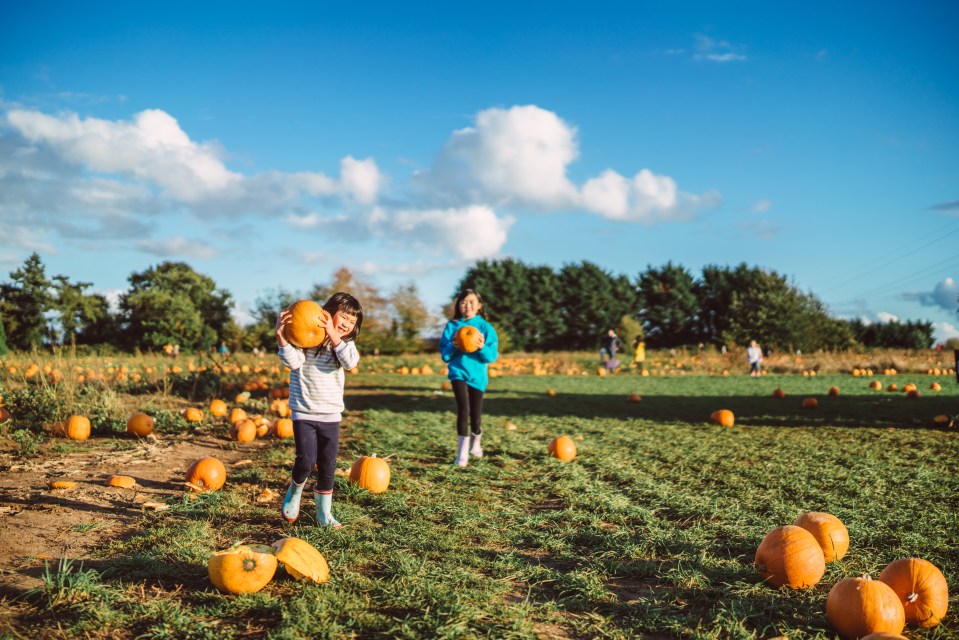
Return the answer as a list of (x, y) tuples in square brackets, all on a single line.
[(469, 408), (316, 444)]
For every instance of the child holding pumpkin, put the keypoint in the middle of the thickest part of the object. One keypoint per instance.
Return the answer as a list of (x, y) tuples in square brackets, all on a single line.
[(316, 401), (468, 345)]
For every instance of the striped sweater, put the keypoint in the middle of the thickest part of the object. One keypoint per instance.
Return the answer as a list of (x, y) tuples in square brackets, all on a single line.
[(316, 383)]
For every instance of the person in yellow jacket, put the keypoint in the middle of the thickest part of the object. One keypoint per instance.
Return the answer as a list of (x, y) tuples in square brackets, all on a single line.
[(639, 354)]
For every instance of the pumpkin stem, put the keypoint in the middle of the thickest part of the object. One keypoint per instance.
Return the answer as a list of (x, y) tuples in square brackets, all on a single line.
[(912, 597)]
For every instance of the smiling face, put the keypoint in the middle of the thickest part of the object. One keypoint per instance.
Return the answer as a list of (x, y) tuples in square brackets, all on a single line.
[(470, 306), (344, 322)]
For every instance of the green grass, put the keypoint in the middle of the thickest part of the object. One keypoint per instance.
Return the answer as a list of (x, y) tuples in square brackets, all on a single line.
[(650, 532)]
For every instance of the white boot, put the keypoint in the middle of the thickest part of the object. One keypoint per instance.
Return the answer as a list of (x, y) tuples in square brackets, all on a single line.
[(324, 510), (475, 449), (291, 502), (462, 451)]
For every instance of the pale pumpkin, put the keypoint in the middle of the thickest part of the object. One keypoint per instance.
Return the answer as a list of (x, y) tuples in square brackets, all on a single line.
[(77, 428), (723, 417), (921, 588), (192, 414), (856, 607), (467, 338), (242, 568), (140, 424), (307, 326), (790, 556), (371, 473), (563, 448), (302, 560), (829, 532), (206, 474)]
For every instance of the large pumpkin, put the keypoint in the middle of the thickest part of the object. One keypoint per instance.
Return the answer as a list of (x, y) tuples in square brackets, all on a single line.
[(371, 473), (206, 474), (243, 431), (723, 417), (283, 428), (921, 588), (883, 635), (302, 560), (242, 568), (140, 424), (856, 607), (829, 532), (307, 326), (77, 428), (467, 338), (562, 447), (790, 556)]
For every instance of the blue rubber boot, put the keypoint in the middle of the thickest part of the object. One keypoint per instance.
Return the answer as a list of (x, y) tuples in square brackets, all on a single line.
[(324, 513), (291, 503)]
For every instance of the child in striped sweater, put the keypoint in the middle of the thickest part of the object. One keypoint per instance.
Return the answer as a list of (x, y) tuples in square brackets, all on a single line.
[(316, 402)]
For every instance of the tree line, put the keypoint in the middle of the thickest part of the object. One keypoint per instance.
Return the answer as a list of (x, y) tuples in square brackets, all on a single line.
[(534, 307)]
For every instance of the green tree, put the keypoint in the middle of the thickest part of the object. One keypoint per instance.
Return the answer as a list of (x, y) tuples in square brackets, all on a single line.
[(172, 303), (669, 307), (376, 313), (409, 313), (592, 302), (98, 324), (4, 350), (26, 301), (266, 309), (505, 288), (77, 311)]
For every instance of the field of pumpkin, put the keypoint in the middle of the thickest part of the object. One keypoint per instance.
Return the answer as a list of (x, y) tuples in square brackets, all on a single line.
[(817, 501)]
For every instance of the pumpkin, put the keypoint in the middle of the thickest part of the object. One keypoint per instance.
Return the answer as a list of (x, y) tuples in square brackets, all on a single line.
[(883, 635), (551, 393), (913, 394), (307, 326), (283, 428), (206, 474), (634, 397), (4, 415), (942, 420), (192, 414), (63, 484), (829, 532), (237, 414), (371, 473), (779, 393), (302, 560), (218, 408), (856, 607), (921, 588), (262, 428), (875, 384), (562, 447), (243, 431), (242, 568), (77, 428), (810, 403), (892, 387), (906, 388), (140, 424), (935, 386), (124, 482), (722, 417), (834, 391), (467, 338), (790, 556)]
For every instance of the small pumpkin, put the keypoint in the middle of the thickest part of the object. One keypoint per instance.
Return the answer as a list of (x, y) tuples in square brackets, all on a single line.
[(779, 393), (192, 414), (243, 431), (875, 384), (829, 532), (242, 568), (77, 428), (206, 474), (371, 473), (856, 607), (551, 393), (124, 482), (63, 484), (634, 397), (307, 326), (790, 556), (833, 391), (218, 408), (563, 448), (935, 386), (913, 394), (283, 428), (237, 414), (723, 417), (810, 403), (140, 424), (467, 338), (302, 560), (921, 588)]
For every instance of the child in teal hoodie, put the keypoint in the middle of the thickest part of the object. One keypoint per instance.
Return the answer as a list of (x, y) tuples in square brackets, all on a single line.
[(468, 372)]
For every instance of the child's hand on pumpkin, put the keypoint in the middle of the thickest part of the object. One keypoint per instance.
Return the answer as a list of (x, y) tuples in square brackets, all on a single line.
[(282, 321)]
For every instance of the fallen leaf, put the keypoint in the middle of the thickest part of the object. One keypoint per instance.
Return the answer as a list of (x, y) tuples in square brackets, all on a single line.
[(242, 463), (156, 506)]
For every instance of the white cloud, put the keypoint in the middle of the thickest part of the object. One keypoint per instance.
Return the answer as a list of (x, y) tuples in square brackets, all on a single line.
[(721, 51), (764, 229), (178, 247), (762, 206), (943, 331), (884, 317), (472, 232), (646, 197), (944, 295)]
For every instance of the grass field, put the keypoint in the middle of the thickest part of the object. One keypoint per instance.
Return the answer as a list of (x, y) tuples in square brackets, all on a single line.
[(649, 533)]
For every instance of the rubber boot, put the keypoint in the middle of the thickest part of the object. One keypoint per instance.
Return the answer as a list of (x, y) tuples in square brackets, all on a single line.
[(324, 513), (291, 503), (462, 451), (475, 449)]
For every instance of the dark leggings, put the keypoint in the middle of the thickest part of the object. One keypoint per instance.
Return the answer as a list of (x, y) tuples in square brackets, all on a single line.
[(469, 408), (316, 443)]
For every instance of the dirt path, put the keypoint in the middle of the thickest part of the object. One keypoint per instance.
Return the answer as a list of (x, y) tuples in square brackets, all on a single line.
[(39, 524)]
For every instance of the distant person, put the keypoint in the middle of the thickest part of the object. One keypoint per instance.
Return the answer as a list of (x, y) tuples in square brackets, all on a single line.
[(468, 372), (639, 354), (754, 355), (609, 345), (223, 350)]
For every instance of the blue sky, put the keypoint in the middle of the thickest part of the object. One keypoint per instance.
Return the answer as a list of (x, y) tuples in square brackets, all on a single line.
[(268, 144)]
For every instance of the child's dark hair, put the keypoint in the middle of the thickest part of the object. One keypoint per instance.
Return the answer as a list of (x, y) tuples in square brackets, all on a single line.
[(341, 301), (457, 313)]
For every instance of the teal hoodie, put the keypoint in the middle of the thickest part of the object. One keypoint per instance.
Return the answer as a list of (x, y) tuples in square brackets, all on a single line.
[(471, 368)]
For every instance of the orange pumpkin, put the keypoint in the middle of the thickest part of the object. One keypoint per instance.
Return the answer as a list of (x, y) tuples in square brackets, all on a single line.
[(192, 414), (810, 403), (283, 428), (834, 391), (913, 394), (206, 474), (875, 384), (829, 532), (218, 408), (790, 556), (140, 424), (307, 326), (634, 397), (243, 431), (124, 482), (883, 635), (856, 607), (935, 386), (467, 338), (563, 448), (237, 414), (302, 560), (723, 417), (371, 473), (77, 428), (921, 588), (779, 393), (242, 568)]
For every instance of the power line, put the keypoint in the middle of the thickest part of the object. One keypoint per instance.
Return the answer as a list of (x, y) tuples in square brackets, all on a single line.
[(916, 275)]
